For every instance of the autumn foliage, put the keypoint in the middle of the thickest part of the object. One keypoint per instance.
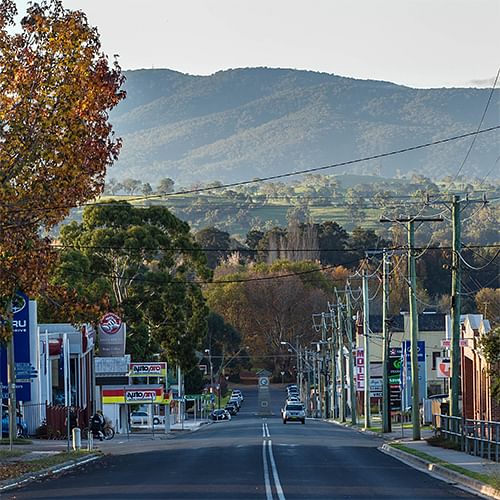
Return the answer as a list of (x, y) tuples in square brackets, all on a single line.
[(56, 89)]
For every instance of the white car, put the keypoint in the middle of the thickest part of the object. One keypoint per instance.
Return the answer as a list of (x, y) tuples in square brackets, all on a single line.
[(294, 412), (237, 393), (140, 417)]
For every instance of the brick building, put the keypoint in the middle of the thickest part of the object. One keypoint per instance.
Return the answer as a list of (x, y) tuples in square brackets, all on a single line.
[(477, 402)]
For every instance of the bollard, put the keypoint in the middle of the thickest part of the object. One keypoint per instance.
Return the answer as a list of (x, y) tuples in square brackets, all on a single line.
[(90, 441), (77, 438)]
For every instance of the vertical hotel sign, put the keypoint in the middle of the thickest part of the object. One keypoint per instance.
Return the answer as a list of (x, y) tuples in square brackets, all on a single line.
[(21, 335), (111, 331)]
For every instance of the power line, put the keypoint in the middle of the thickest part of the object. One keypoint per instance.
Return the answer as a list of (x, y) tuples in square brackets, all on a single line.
[(205, 282), (488, 173), (293, 173), (474, 137), (478, 268), (342, 164), (252, 250)]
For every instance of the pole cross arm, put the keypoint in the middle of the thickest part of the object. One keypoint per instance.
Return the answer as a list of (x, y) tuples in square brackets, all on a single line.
[(412, 219)]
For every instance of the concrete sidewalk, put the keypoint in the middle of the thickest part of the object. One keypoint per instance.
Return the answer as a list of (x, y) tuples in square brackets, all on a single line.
[(459, 458)]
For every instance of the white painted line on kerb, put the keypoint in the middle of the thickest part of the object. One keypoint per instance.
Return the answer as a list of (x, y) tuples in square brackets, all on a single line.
[(267, 482), (277, 484)]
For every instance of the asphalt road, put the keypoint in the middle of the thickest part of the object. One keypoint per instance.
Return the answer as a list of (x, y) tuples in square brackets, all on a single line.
[(250, 457)]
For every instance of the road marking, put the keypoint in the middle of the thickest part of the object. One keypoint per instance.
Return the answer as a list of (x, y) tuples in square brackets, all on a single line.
[(277, 484), (267, 482), (265, 430)]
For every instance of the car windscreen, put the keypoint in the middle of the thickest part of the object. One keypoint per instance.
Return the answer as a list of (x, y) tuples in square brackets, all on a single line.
[(294, 407)]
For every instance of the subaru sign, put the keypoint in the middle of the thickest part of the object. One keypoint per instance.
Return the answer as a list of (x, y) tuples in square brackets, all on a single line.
[(21, 335)]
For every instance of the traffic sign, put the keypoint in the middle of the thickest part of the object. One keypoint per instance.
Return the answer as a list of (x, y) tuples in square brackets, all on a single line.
[(443, 368)]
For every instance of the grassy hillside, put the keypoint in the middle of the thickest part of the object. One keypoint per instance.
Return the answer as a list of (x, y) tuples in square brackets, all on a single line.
[(245, 123)]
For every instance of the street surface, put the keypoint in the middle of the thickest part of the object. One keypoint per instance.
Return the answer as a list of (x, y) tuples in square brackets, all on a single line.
[(249, 457)]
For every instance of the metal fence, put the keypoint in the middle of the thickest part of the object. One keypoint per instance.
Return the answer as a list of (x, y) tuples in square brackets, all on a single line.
[(56, 420), (476, 437)]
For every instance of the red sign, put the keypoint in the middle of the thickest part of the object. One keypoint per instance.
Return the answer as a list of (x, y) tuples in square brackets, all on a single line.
[(110, 323), (360, 370), (446, 343), (133, 394), (443, 367)]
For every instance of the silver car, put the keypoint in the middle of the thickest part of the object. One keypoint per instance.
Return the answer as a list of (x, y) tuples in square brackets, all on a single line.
[(294, 412)]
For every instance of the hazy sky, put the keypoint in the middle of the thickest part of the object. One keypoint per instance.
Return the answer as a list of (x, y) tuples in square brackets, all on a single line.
[(420, 43)]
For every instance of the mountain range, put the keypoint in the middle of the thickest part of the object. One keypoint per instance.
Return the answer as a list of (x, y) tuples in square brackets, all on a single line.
[(241, 124)]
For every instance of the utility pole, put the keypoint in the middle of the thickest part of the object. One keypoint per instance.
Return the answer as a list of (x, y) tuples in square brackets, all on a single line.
[(412, 287), (11, 383), (352, 385), (386, 404), (415, 408), (342, 401), (456, 209), (333, 377), (322, 373), (366, 348), (455, 309)]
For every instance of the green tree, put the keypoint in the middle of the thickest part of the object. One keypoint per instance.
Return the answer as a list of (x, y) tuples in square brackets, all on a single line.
[(223, 341), (490, 344), (332, 243), (147, 260), (146, 189), (216, 244), (165, 186), (131, 186)]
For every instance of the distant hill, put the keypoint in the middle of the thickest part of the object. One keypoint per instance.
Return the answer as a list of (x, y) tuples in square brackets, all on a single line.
[(245, 123)]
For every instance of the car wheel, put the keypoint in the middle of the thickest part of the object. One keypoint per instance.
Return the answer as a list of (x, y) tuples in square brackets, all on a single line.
[(156, 421), (284, 420), (303, 422)]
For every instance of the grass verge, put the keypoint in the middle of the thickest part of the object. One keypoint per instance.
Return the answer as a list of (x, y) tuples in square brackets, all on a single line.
[(16, 441), (11, 454), (491, 480), (13, 469)]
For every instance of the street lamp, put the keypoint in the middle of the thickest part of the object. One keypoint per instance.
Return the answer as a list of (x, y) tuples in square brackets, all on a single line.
[(299, 382), (207, 351)]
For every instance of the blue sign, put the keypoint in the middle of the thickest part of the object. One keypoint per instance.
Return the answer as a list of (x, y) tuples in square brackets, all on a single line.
[(406, 378), (21, 332)]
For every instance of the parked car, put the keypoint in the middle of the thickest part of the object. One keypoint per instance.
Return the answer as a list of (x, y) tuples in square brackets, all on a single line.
[(22, 426), (231, 408), (294, 412), (236, 402), (220, 415), (141, 417), (237, 393)]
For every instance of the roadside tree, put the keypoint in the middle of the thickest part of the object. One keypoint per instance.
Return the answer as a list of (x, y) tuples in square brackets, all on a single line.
[(56, 89)]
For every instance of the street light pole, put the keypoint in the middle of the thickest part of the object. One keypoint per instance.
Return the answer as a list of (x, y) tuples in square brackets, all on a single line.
[(209, 352)]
